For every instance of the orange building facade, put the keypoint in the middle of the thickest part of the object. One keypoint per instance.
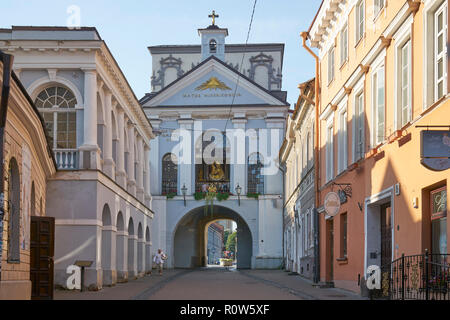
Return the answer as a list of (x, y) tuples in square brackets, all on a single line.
[(383, 77)]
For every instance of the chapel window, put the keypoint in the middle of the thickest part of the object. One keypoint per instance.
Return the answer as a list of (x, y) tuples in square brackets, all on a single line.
[(169, 174), (255, 176)]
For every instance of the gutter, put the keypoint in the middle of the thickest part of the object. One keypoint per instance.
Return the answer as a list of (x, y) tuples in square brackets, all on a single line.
[(7, 61), (304, 36)]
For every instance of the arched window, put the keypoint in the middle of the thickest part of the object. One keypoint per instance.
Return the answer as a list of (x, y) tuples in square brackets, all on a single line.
[(14, 212), (169, 174), (213, 46), (57, 106), (255, 182)]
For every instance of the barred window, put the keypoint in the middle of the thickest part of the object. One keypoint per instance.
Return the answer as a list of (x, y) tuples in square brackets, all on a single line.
[(57, 106), (169, 174), (255, 177)]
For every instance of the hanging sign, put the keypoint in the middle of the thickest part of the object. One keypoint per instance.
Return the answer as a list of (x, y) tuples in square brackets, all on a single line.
[(332, 204), (435, 149)]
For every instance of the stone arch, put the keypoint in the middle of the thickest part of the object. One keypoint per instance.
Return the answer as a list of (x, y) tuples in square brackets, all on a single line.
[(37, 86), (107, 246), (14, 212), (132, 248), (148, 251), (189, 237), (121, 248), (140, 250)]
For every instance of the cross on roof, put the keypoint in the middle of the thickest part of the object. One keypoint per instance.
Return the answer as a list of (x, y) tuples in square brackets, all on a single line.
[(213, 16)]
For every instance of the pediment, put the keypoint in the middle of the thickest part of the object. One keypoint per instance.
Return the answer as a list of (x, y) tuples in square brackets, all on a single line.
[(213, 83)]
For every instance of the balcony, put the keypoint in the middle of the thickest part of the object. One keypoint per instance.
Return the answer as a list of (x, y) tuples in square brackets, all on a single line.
[(66, 159)]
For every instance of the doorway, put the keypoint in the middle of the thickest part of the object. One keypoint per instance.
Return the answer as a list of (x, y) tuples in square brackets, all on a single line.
[(386, 234), (42, 244), (330, 249)]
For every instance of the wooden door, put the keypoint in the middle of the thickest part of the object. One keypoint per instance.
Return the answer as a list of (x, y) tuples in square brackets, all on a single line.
[(330, 234), (386, 234), (42, 251)]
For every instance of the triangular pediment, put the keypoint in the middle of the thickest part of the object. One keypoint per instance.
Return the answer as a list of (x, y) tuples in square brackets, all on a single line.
[(213, 83)]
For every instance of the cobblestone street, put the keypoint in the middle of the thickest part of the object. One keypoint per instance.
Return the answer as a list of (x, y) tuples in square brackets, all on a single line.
[(214, 284)]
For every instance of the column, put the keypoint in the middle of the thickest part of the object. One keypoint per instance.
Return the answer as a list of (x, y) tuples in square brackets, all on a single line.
[(108, 162), (140, 169), (131, 175), (147, 195), (239, 154), (122, 256), (185, 159), (155, 161), (89, 151), (132, 256), (120, 166)]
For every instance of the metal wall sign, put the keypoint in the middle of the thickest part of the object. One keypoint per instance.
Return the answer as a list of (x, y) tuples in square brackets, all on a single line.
[(435, 149), (332, 204)]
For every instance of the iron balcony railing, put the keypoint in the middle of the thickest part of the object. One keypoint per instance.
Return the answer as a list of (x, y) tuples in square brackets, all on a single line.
[(417, 277)]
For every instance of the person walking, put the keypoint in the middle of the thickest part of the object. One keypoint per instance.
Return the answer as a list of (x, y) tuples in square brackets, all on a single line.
[(159, 259)]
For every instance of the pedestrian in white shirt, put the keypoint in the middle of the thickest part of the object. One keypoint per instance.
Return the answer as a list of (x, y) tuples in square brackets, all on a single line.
[(159, 260)]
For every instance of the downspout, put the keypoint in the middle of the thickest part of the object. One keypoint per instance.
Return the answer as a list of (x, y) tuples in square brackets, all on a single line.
[(7, 61), (304, 36), (281, 168)]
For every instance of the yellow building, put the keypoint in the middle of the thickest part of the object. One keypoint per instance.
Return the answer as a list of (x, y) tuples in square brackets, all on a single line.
[(383, 70), (26, 245)]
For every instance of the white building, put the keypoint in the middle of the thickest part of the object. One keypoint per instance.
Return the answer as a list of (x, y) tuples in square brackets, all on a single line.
[(101, 140)]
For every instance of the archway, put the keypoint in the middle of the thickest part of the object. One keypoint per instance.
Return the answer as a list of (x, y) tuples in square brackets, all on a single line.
[(107, 247), (121, 249), (190, 237), (132, 248), (148, 251), (140, 250)]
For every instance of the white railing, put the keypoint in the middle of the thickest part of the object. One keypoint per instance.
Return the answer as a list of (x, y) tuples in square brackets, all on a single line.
[(66, 159)]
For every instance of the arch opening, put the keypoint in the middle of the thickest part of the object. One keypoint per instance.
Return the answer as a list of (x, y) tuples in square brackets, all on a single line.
[(190, 245)]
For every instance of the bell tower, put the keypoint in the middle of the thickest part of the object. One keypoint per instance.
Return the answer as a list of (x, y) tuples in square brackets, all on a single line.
[(213, 39)]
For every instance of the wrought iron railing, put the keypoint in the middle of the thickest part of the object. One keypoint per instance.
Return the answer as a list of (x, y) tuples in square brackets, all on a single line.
[(417, 277), (66, 159)]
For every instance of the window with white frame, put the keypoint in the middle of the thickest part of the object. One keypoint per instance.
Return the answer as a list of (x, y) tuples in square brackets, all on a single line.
[(360, 20), (404, 103), (57, 106), (342, 144), (329, 152), (440, 51), (378, 5), (344, 44), (331, 65), (378, 102), (359, 124)]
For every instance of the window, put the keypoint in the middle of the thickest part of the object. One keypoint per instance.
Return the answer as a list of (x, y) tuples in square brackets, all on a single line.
[(57, 106), (331, 65), (342, 149), (404, 79), (329, 153), (255, 177), (344, 235), (213, 46), (169, 174), (378, 5), (438, 199), (440, 49), (344, 44), (308, 150), (359, 127), (378, 106), (14, 212), (359, 20)]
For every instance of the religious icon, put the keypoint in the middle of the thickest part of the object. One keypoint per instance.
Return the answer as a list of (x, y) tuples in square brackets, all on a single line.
[(216, 172)]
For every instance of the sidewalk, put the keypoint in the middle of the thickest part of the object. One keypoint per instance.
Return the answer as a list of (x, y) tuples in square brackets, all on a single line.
[(122, 291), (301, 286)]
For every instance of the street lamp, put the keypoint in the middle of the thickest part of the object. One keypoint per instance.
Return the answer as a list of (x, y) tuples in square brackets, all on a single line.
[(238, 191), (184, 190)]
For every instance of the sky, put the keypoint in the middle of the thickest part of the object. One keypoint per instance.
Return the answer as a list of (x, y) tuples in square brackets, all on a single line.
[(129, 27)]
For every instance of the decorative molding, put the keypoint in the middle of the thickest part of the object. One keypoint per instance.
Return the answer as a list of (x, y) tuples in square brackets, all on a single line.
[(365, 69), (385, 42), (413, 6), (265, 61), (166, 63)]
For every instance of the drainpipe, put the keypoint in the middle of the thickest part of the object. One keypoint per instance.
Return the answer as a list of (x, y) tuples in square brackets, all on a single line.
[(304, 36), (281, 168), (7, 61)]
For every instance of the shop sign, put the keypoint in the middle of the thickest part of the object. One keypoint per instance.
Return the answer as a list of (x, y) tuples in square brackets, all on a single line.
[(332, 204), (435, 149)]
